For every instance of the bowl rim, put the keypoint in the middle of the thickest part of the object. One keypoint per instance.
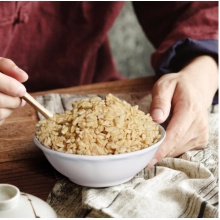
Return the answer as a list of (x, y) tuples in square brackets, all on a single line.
[(101, 157)]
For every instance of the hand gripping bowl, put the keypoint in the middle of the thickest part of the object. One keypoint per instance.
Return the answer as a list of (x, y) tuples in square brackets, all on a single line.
[(104, 170)]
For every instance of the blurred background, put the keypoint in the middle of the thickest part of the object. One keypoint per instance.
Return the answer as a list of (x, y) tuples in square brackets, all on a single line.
[(130, 47)]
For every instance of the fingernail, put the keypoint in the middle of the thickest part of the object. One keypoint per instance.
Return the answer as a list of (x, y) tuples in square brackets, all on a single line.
[(21, 90), (157, 114), (152, 163)]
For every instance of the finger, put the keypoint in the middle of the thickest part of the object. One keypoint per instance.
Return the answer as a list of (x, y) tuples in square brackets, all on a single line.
[(175, 133), (7, 101), (4, 113), (9, 68), (176, 130), (2, 122), (197, 135), (161, 100), (11, 86), (197, 143), (189, 146)]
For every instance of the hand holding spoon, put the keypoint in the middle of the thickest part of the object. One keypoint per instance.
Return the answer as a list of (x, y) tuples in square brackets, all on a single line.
[(37, 106)]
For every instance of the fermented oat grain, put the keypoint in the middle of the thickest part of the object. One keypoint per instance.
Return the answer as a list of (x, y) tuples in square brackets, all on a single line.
[(99, 127)]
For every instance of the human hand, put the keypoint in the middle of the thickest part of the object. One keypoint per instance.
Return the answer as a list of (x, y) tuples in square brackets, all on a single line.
[(186, 97), (11, 87)]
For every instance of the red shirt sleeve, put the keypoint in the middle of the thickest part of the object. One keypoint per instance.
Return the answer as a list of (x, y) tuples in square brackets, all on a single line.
[(166, 23)]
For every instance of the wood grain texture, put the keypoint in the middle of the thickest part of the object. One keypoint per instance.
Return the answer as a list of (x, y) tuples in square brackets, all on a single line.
[(36, 105), (24, 165), (21, 162), (121, 86), (34, 176)]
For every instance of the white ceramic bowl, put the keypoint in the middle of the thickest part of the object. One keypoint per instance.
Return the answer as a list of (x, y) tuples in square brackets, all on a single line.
[(101, 171)]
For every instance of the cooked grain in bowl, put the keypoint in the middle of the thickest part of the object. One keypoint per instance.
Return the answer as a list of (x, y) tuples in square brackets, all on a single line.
[(99, 127)]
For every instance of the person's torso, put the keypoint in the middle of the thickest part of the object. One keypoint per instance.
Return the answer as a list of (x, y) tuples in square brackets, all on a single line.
[(58, 44)]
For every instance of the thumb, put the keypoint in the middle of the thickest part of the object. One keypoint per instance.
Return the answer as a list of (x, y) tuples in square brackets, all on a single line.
[(161, 101)]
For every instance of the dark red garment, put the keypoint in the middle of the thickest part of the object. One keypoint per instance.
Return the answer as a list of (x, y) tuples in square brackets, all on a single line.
[(62, 44), (167, 22)]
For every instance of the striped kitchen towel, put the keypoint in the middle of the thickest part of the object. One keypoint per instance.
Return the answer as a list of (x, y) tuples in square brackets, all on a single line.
[(183, 187)]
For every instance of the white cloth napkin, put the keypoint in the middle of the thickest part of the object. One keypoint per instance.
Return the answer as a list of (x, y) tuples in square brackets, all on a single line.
[(184, 187)]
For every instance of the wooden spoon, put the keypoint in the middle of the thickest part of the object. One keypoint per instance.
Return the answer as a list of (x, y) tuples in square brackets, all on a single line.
[(37, 106)]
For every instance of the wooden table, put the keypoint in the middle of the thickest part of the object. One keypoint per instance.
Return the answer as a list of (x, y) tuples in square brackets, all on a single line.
[(21, 162)]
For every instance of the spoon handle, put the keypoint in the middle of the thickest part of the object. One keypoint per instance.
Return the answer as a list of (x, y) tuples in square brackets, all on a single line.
[(37, 106)]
